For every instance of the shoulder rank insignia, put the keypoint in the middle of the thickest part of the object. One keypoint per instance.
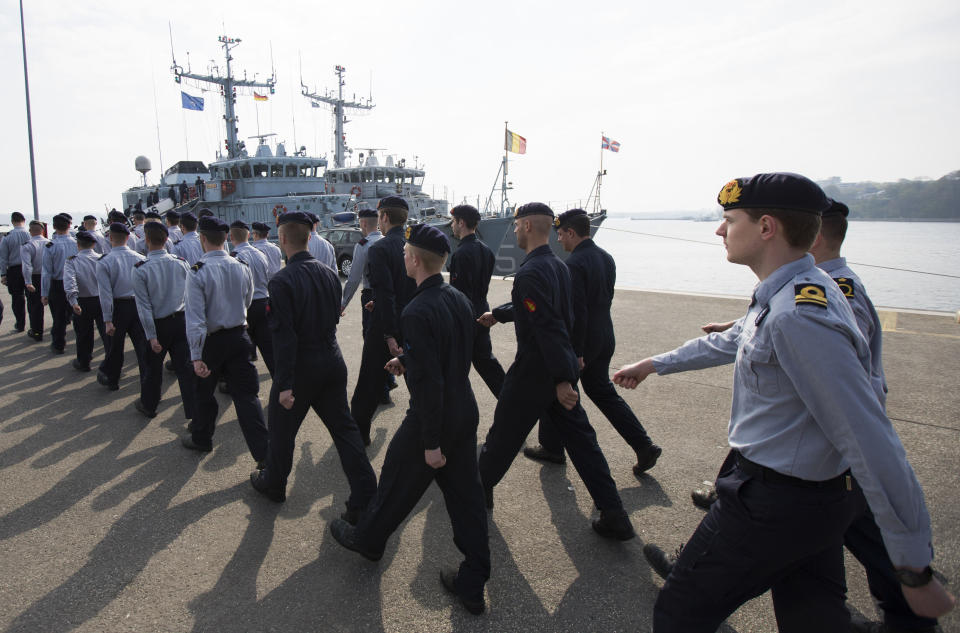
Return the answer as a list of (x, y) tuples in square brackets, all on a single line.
[(810, 293), (196, 266), (233, 253), (363, 241), (139, 263), (72, 257), (846, 286), (49, 244), (530, 305), (101, 257)]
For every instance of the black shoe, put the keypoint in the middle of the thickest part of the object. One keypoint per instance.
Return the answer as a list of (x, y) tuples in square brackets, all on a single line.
[(139, 406), (385, 398), (391, 385), (223, 387), (55, 350), (705, 496), (187, 440), (79, 366), (351, 516), (614, 526), (647, 459), (169, 366), (37, 336), (103, 380), (659, 560), (860, 624), (18, 328), (346, 535), (448, 577), (488, 497), (540, 454), (260, 483)]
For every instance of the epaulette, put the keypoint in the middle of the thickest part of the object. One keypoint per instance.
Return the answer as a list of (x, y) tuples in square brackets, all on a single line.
[(180, 258), (813, 294), (233, 253), (139, 263), (71, 258), (362, 242), (49, 245), (242, 262), (101, 257), (846, 286), (197, 266), (178, 241)]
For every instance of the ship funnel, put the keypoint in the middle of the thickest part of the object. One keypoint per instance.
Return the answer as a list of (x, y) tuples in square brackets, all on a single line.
[(263, 151), (281, 150)]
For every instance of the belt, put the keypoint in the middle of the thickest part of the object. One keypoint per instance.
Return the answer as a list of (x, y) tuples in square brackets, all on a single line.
[(173, 315), (843, 481), (123, 299), (225, 330)]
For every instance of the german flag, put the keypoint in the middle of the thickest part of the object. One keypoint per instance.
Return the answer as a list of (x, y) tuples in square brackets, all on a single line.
[(515, 143), (259, 97)]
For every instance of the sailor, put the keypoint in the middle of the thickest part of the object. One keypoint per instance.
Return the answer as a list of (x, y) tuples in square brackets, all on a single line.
[(141, 247), (201, 193), (471, 267), (310, 372), (544, 374), (173, 225), (184, 191), (83, 297), (159, 287), (219, 291), (31, 258), (260, 242), (437, 440), (115, 285), (808, 436), (594, 274), (257, 312), (71, 230), (11, 268), (392, 290), (188, 247), (319, 247), (55, 254), (137, 219), (102, 243)]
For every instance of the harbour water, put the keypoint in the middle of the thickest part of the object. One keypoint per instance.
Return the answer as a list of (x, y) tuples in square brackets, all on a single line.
[(686, 256)]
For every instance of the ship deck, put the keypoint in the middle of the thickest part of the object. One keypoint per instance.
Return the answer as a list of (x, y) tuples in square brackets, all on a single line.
[(108, 524)]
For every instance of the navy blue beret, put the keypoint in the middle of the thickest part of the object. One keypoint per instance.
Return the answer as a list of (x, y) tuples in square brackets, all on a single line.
[(117, 216), (533, 208), (239, 224), (394, 202), (260, 227), (86, 236), (68, 216), (152, 215), (428, 237), (837, 208), (566, 216), (157, 226), (367, 213), (118, 227), (89, 217), (313, 216), (781, 190), (295, 217), (204, 213), (465, 212), (172, 215), (208, 223), (188, 216)]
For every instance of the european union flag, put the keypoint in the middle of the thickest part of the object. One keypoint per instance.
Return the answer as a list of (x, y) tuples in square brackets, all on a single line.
[(191, 103)]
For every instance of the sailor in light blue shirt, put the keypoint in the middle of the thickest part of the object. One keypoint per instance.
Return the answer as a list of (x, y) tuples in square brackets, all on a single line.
[(10, 248), (188, 247), (358, 277), (320, 248), (82, 290), (274, 256), (257, 326), (31, 254), (55, 253)]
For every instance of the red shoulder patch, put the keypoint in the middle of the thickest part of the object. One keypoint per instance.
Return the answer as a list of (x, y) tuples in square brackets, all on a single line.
[(530, 305)]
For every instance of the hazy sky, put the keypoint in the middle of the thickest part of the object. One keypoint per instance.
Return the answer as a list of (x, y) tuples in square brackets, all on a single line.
[(696, 92)]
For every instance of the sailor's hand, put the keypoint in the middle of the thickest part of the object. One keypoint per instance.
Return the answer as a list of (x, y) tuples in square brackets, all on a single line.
[(44, 301), (434, 458), (929, 601), (567, 395), (393, 347), (630, 376), (3, 280), (486, 319), (286, 399), (343, 311), (368, 306), (109, 328), (717, 327), (77, 310), (200, 368), (581, 363), (30, 288), (395, 367), (155, 346)]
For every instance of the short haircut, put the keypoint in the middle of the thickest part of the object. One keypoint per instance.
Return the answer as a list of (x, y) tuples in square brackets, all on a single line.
[(118, 239), (297, 234), (155, 234), (580, 224), (85, 242), (368, 222), (800, 228), (16, 216), (189, 223), (239, 235), (432, 262), (173, 220), (60, 223), (261, 234), (217, 238), (395, 215), (35, 229), (833, 228), (541, 224)]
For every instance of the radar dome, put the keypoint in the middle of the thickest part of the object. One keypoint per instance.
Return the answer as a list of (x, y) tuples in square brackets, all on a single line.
[(142, 164)]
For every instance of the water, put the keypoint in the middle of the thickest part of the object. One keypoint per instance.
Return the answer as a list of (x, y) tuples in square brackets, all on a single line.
[(652, 255)]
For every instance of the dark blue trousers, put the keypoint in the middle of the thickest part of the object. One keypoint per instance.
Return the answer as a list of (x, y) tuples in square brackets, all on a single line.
[(90, 314), (60, 311), (172, 336), (485, 362), (259, 332), (34, 306), (16, 288), (127, 323)]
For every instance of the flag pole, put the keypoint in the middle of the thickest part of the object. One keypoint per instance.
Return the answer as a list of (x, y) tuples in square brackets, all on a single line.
[(503, 186), (599, 174), (26, 90)]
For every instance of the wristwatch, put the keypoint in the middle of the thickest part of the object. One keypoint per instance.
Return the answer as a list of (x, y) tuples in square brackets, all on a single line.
[(910, 578)]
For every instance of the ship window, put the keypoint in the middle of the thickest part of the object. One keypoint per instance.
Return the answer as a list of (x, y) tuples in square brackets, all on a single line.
[(245, 170), (378, 175), (276, 171), (291, 171), (418, 181), (260, 171)]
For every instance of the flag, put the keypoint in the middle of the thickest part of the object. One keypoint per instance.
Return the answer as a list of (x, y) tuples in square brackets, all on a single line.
[(314, 104), (613, 146), (515, 143), (191, 103), (259, 97)]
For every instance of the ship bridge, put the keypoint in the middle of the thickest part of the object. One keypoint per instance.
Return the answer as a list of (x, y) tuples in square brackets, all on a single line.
[(373, 180), (266, 174)]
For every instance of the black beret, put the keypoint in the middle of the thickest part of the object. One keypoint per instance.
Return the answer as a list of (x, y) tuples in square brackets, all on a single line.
[(204, 213), (116, 215), (60, 216), (117, 227), (837, 208), (465, 212), (239, 224), (157, 226), (260, 227), (153, 215), (137, 213), (566, 216), (35, 223), (89, 217), (394, 202), (295, 217), (533, 208), (781, 190), (172, 215), (209, 223), (367, 213), (67, 215), (188, 216), (428, 237), (313, 216), (86, 236)]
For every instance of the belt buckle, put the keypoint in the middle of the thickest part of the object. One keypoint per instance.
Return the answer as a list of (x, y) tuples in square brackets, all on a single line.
[(848, 482)]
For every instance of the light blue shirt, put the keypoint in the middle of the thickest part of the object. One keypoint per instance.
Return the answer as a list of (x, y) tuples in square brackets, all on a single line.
[(803, 402), (31, 255), (219, 291), (273, 253), (259, 267), (55, 253), (358, 273), (189, 248), (115, 277), (80, 276), (159, 286), (322, 250), (10, 247)]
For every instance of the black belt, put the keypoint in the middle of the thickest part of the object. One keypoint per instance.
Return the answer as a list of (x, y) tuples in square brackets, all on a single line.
[(843, 481), (226, 330), (178, 313), (123, 299)]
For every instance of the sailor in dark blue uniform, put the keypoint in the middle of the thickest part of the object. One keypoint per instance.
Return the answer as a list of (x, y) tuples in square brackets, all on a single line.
[(392, 290), (310, 372), (55, 253), (471, 267), (544, 374), (594, 274), (257, 312), (437, 439), (83, 296), (219, 291)]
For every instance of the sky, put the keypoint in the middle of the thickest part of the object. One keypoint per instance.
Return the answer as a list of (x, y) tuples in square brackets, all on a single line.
[(697, 93)]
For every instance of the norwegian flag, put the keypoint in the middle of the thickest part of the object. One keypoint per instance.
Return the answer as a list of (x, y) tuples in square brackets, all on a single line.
[(613, 146)]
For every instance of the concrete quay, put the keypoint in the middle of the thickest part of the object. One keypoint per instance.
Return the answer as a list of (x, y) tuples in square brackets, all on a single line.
[(108, 524)]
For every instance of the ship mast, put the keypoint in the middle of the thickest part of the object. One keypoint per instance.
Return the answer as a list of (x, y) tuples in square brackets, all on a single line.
[(228, 90), (339, 109)]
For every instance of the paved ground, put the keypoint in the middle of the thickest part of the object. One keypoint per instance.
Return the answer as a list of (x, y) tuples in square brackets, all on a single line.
[(107, 524)]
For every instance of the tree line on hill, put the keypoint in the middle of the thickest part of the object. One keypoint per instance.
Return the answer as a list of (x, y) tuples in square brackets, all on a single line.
[(902, 200)]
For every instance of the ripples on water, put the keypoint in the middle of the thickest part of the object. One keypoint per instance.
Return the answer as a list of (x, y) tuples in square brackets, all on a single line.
[(654, 262)]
